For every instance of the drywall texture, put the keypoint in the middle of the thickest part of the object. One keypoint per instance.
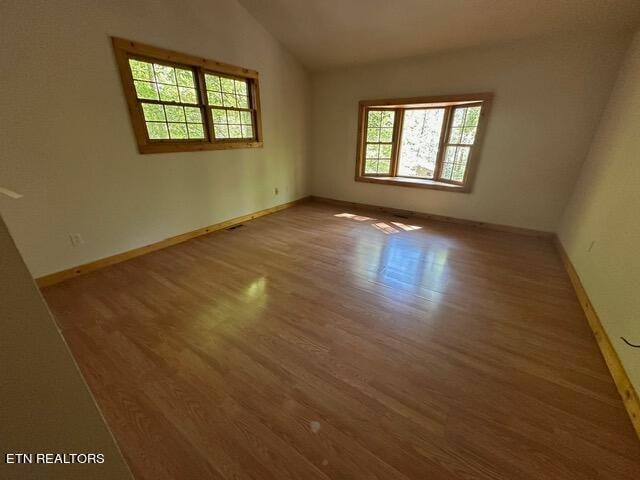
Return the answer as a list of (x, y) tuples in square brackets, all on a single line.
[(46, 407), (68, 145), (549, 95), (601, 226)]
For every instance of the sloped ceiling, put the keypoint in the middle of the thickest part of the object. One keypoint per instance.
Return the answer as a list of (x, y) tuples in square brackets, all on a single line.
[(324, 34)]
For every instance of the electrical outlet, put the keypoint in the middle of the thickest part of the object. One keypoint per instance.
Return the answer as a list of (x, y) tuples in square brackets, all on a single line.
[(76, 239), (276, 191)]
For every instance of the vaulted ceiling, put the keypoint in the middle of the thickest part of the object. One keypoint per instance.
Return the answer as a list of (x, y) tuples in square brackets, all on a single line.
[(329, 33)]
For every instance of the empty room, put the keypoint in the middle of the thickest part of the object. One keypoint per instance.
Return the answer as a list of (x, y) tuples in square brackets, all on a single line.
[(320, 240)]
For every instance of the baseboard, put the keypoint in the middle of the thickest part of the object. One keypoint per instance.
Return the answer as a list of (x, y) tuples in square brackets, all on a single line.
[(439, 218), (620, 377), (68, 273)]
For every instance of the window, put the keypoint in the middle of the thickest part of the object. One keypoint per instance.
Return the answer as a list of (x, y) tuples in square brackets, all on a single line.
[(421, 142), (180, 102)]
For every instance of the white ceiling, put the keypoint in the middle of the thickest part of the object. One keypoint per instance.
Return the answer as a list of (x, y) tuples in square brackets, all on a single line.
[(328, 33)]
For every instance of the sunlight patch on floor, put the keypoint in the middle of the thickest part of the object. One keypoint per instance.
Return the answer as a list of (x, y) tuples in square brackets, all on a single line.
[(381, 226), (358, 218)]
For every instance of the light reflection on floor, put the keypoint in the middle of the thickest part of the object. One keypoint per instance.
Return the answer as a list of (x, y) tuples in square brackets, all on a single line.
[(256, 289), (399, 264), (407, 266), (385, 228)]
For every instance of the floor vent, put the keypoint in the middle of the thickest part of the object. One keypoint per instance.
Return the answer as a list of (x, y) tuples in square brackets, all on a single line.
[(234, 227)]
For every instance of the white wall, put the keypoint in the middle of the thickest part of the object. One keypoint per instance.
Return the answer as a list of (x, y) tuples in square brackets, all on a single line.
[(601, 225), (549, 95), (67, 143)]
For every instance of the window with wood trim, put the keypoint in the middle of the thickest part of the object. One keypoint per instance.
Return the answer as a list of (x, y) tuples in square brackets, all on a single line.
[(429, 142), (180, 102)]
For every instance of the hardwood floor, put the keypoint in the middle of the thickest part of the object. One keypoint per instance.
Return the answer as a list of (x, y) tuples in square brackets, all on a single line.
[(309, 345)]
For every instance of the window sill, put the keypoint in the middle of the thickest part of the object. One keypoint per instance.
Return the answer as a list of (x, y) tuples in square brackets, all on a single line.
[(167, 147), (415, 183)]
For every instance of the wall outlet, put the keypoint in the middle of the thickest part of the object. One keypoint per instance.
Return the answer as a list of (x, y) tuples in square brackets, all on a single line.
[(276, 191), (76, 239)]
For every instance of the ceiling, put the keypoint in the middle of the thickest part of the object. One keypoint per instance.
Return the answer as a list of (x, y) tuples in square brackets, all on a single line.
[(324, 34)]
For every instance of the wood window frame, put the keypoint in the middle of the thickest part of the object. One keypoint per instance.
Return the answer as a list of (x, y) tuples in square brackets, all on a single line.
[(126, 49), (400, 105)]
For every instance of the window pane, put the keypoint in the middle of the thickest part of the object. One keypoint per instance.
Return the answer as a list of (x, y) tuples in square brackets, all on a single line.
[(215, 98), (173, 84), (373, 135), (456, 135), (195, 130), (468, 135), (175, 113), (212, 82), (386, 119), (185, 78), (374, 118), (233, 116), (241, 87), (141, 70), (245, 118), (455, 163), (165, 74), (458, 172), (157, 131), (464, 125), (193, 114), (243, 102), (385, 151), (458, 117), (178, 130), (384, 166), (447, 169), (153, 112), (227, 85), (386, 134), (229, 100), (221, 131), (462, 155), (450, 154), (168, 93), (227, 92), (219, 115), (235, 131), (420, 138), (188, 95), (146, 90), (371, 166), (247, 131), (373, 150), (473, 116), (168, 121)]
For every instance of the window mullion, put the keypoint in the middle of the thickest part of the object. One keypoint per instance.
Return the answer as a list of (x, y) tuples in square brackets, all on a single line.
[(397, 133), (204, 105), (254, 105), (444, 134)]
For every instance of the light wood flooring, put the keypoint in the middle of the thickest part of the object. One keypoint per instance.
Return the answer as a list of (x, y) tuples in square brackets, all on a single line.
[(313, 345)]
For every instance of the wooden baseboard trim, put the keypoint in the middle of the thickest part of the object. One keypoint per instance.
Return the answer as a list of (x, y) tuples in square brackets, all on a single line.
[(439, 218), (63, 275), (620, 377)]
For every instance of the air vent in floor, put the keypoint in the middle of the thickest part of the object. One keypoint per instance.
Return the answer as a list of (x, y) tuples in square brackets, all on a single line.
[(234, 227)]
